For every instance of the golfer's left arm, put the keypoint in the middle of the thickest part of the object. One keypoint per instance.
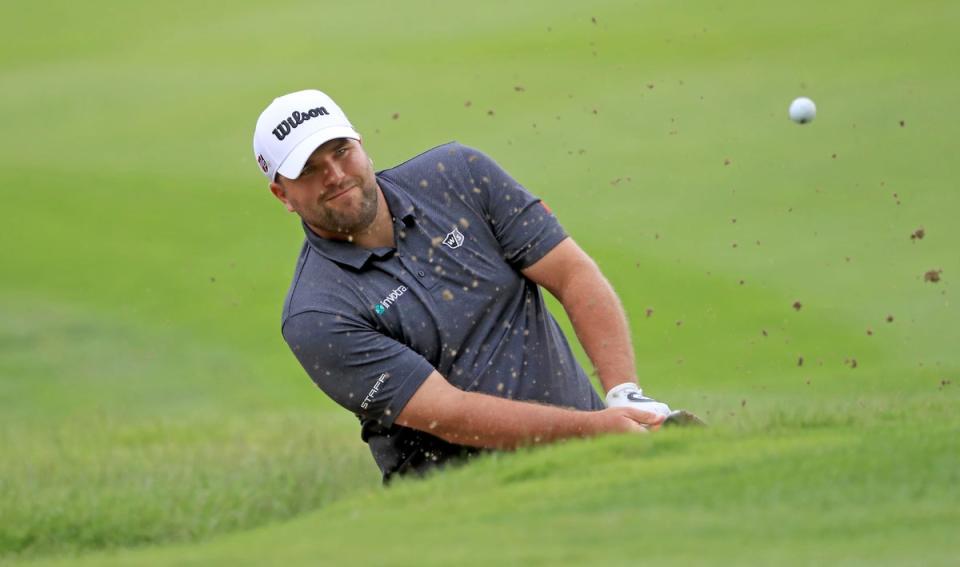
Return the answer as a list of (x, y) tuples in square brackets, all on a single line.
[(593, 307)]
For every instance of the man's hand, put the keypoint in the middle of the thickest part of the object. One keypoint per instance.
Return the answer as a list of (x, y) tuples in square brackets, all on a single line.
[(629, 395), (626, 420)]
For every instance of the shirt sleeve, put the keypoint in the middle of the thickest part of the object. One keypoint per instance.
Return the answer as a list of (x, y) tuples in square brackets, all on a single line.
[(357, 366), (524, 226)]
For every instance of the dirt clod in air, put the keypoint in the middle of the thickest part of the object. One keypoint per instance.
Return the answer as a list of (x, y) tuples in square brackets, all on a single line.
[(918, 234), (852, 362), (889, 318), (396, 115), (593, 20), (932, 276), (519, 88), (763, 332), (467, 103), (800, 363), (490, 112), (903, 123), (679, 323), (869, 332), (797, 305), (726, 161), (649, 312)]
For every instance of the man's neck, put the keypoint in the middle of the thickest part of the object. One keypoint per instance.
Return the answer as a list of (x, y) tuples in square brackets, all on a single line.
[(378, 235)]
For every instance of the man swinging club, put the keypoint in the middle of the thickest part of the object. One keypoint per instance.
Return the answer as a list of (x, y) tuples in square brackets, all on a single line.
[(416, 302)]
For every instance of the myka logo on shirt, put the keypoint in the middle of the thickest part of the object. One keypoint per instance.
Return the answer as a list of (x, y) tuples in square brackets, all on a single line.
[(296, 119)]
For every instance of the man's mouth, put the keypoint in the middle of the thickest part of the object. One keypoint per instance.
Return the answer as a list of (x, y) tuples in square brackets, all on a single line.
[(340, 192)]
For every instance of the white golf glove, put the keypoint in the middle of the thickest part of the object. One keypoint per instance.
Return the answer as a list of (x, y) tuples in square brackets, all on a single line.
[(630, 395)]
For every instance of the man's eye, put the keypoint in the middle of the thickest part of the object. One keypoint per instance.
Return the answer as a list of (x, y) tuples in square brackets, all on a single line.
[(341, 151)]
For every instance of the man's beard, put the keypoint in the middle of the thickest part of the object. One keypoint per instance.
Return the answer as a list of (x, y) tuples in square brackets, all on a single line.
[(351, 221)]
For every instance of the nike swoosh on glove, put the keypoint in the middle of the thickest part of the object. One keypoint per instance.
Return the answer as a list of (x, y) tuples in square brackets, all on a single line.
[(630, 395)]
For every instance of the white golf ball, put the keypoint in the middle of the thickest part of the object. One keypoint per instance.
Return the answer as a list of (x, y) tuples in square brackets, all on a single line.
[(802, 110)]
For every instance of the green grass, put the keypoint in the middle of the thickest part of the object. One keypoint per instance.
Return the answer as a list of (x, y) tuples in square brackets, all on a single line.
[(114, 437), (793, 489), (151, 414)]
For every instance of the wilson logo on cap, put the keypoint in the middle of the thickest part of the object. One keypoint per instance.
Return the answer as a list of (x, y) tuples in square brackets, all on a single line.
[(292, 127), (296, 119)]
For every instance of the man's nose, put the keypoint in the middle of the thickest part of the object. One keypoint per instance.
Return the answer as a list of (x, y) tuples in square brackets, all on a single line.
[(332, 174)]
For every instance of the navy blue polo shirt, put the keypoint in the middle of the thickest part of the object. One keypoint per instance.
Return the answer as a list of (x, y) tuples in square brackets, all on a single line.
[(369, 325)]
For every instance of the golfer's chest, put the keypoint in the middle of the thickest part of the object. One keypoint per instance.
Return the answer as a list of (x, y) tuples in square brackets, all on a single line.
[(432, 297)]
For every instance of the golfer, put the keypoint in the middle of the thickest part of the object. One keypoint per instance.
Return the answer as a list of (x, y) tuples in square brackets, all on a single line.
[(416, 301)]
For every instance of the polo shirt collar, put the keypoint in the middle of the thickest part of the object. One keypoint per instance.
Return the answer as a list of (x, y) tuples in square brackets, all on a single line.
[(401, 207)]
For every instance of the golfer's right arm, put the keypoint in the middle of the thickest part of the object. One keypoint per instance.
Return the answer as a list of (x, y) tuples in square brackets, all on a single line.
[(480, 420)]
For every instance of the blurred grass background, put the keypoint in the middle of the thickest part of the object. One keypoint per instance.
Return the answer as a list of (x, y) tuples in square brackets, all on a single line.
[(146, 396)]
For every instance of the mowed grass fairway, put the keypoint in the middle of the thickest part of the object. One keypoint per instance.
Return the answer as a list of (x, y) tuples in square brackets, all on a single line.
[(794, 285)]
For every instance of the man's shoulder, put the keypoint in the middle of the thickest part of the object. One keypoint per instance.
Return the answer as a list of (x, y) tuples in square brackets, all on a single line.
[(314, 284), (437, 159), (427, 156)]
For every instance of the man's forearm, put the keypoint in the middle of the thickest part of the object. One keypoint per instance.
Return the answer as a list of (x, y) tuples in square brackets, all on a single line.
[(601, 326), (479, 420), (498, 423)]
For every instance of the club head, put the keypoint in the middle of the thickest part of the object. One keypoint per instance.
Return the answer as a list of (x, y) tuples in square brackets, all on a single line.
[(683, 418)]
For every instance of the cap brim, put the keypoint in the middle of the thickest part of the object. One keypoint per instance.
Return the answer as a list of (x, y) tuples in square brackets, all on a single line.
[(293, 165)]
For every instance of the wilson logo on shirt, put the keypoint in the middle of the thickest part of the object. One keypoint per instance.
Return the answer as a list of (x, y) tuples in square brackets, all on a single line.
[(389, 300), (454, 239)]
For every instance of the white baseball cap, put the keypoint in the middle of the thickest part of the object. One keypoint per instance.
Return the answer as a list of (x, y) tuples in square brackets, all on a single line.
[(292, 127)]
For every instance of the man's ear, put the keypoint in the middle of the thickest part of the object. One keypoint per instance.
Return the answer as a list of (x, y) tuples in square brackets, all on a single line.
[(280, 193)]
